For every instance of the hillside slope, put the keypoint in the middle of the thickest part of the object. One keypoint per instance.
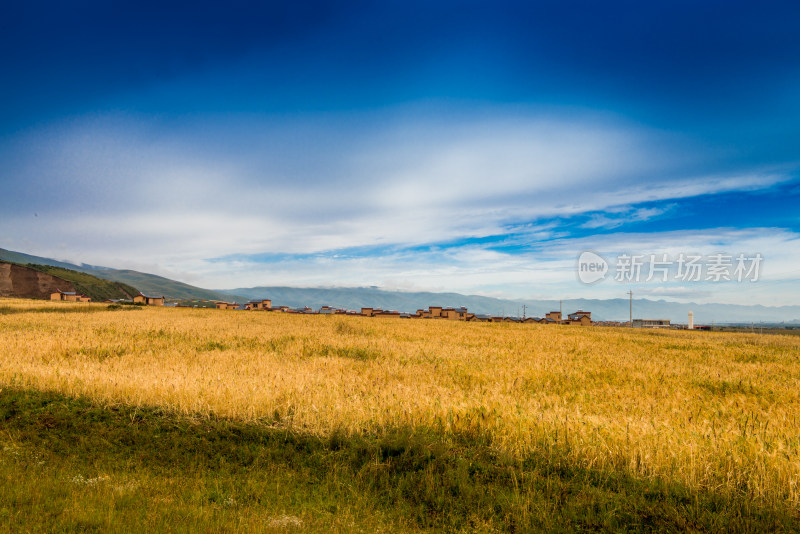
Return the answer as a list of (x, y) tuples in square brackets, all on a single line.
[(152, 284), (96, 288), (20, 281), (149, 284)]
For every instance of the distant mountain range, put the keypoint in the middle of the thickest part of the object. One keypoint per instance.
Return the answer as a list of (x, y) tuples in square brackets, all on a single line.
[(356, 297), (602, 310)]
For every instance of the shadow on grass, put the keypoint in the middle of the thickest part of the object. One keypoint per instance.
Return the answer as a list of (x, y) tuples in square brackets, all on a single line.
[(419, 476)]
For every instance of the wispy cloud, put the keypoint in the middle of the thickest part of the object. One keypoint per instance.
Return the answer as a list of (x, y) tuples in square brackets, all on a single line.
[(544, 269), (475, 203), (616, 217), (295, 186)]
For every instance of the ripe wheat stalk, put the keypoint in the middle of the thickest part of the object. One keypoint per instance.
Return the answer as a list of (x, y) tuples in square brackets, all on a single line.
[(713, 411)]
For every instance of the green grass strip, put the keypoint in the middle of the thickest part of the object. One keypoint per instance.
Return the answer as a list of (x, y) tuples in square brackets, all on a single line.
[(70, 465)]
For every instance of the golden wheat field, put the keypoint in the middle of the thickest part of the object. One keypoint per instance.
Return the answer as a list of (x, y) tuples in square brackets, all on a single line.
[(713, 411)]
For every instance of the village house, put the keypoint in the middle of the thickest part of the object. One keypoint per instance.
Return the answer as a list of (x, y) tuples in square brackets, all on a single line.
[(69, 296), (581, 318), (148, 300), (580, 313), (455, 314), (263, 304), (221, 305), (438, 312), (64, 295)]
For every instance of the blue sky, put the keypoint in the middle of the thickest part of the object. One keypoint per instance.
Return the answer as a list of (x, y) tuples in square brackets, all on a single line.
[(459, 146)]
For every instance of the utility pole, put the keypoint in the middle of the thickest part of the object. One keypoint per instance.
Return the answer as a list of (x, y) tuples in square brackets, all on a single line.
[(630, 306), (560, 310), (524, 310)]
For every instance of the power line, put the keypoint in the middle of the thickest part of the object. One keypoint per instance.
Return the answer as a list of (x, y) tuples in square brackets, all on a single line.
[(631, 307)]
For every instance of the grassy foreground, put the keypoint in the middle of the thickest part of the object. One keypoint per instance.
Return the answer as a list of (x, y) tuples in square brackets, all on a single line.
[(71, 465), (177, 419)]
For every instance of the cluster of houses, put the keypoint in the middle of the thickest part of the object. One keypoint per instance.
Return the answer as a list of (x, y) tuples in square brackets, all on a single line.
[(70, 296), (433, 312), (580, 317), (462, 314)]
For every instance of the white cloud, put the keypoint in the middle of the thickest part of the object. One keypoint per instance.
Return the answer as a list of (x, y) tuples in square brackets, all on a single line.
[(547, 271), (129, 191)]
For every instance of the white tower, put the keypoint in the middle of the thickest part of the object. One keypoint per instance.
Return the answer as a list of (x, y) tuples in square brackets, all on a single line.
[(691, 320)]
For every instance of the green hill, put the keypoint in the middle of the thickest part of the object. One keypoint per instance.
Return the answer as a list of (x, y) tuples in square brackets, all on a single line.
[(148, 284), (92, 286), (152, 284)]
